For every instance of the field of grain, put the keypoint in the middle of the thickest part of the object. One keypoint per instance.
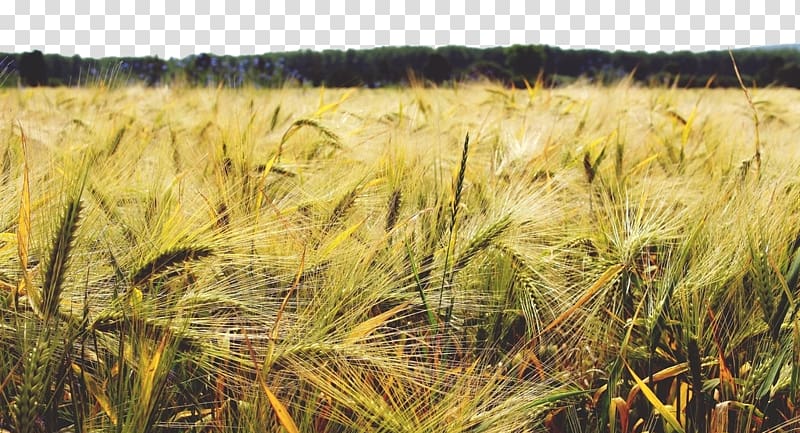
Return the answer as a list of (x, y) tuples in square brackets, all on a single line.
[(463, 259)]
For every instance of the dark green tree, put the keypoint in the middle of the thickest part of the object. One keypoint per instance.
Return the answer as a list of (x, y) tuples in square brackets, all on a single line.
[(789, 75), (460, 58), (490, 70), (769, 72), (33, 69), (525, 60), (198, 68), (57, 73), (153, 69), (437, 68)]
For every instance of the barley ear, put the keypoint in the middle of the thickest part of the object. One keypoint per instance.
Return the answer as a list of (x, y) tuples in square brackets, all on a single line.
[(459, 187), (481, 241), (29, 404), (24, 222), (166, 260), (756, 159), (63, 244), (60, 251), (394, 209)]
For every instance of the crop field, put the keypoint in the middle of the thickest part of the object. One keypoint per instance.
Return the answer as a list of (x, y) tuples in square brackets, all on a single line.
[(469, 258)]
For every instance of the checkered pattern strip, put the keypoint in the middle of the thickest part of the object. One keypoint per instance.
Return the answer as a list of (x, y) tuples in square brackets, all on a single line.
[(177, 28)]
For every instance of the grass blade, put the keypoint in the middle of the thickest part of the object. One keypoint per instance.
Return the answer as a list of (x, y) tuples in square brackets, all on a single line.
[(431, 317), (341, 237), (657, 404), (365, 328), (604, 279), (280, 410), (96, 390), (24, 221), (792, 277)]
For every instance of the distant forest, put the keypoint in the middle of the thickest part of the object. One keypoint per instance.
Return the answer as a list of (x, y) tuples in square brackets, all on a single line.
[(397, 66)]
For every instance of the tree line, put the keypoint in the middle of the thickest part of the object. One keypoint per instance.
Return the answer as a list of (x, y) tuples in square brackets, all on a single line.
[(393, 66)]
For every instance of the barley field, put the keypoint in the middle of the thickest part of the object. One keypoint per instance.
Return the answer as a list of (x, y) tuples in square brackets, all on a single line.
[(464, 259)]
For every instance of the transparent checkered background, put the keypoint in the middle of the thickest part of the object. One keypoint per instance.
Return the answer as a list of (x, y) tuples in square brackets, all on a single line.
[(177, 28)]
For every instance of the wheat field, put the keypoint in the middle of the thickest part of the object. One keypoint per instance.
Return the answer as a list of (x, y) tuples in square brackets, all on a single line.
[(464, 259)]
